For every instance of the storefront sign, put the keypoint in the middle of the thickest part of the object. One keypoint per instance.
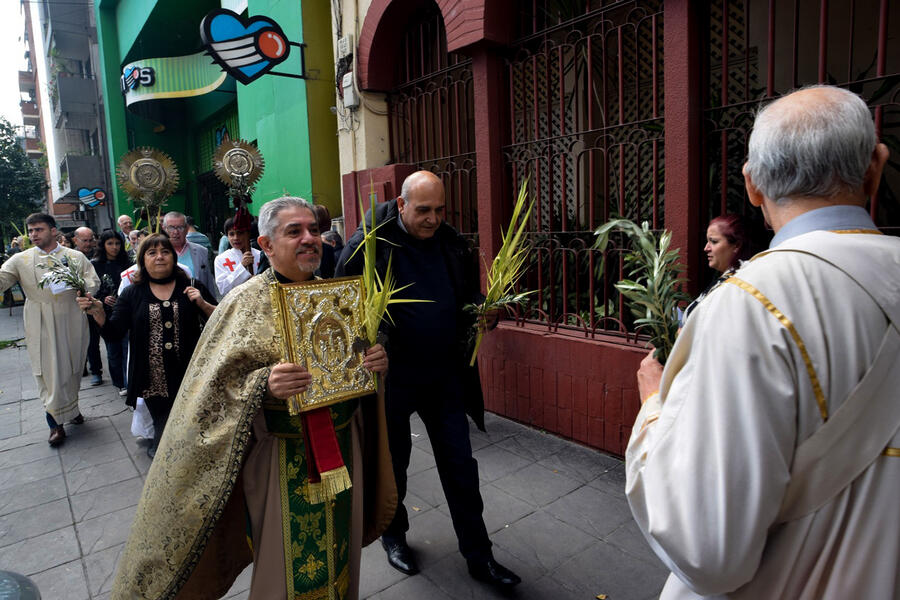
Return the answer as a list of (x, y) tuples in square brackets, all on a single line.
[(92, 197), (174, 77), (249, 48)]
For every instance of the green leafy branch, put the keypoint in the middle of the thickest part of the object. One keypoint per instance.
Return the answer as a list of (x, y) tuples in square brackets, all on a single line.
[(654, 289)]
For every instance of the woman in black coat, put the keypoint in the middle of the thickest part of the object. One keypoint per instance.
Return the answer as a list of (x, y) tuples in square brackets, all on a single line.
[(109, 262), (163, 312)]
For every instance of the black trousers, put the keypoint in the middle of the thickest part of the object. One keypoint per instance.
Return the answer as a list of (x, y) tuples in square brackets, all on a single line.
[(440, 406), (159, 411), (93, 356)]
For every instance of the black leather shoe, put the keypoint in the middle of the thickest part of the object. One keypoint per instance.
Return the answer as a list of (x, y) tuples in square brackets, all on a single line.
[(79, 420), (492, 572), (400, 556)]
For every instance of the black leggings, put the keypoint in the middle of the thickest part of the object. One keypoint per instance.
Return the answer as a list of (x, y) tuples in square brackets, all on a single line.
[(159, 410)]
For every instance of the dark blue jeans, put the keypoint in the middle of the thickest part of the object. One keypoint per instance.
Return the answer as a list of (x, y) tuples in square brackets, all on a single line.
[(116, 353)]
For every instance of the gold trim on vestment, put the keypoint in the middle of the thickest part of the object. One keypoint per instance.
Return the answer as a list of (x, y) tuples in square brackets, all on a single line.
[(329, 539), (811, 371), (866, 231), (895, 452), (285, 519)]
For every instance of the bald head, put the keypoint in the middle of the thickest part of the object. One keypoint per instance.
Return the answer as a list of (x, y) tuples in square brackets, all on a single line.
[(125, 224), (84, 240)]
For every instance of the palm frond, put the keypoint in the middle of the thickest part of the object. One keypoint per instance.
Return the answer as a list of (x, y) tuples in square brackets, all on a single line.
[(506, 268), (64, 272)]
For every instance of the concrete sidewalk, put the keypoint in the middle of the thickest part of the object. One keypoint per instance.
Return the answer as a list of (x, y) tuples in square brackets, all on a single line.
[(555, 510)]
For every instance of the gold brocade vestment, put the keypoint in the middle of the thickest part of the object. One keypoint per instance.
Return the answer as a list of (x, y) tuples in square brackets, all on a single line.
[(189, 537)]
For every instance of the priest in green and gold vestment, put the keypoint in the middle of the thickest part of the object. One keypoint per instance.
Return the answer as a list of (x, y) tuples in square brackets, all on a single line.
[(230, 481)]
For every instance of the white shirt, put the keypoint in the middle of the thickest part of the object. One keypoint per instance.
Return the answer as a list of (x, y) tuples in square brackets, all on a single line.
[(230, 273)]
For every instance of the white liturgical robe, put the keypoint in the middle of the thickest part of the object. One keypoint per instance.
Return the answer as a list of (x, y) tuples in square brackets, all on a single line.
[(230, 273), (56, 330), (760, 365)]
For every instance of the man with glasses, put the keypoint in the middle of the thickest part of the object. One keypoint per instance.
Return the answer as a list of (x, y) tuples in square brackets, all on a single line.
[(194, 256)]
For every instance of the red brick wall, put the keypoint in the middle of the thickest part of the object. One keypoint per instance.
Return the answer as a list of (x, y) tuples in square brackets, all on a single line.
[(580, 389)]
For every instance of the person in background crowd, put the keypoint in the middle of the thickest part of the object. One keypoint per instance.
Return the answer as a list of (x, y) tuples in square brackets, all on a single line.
[(239, 264), (194, 236), (86, 243), (134, 239), (765, 460), (63, 240), (195, 257), (111, 260), (56, 330), (329, 259), (163, 315), (333, 239), (14, 247), (126, 225), (727, 246)]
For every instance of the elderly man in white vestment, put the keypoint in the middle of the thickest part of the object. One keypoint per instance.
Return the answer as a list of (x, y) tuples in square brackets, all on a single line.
[(56, 330), (765, 461)]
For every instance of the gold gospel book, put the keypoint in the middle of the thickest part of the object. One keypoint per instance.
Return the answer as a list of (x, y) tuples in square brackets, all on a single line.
[(320, 323)]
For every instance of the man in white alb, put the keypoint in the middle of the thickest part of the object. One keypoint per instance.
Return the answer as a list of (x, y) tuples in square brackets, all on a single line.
[(765, 461), (237, 264)]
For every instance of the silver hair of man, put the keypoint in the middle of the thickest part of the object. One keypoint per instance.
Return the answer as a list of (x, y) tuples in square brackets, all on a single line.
[(268, 214), (173, 214), (819, 149)]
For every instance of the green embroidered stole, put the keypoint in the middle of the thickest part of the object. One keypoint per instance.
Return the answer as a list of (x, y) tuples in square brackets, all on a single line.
[(316, 536)]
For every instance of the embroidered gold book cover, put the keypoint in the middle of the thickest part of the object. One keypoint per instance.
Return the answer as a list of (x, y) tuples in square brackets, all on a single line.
[(320, 323)]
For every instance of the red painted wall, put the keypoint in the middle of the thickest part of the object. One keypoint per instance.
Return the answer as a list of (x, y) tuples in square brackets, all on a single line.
[(584, 390)]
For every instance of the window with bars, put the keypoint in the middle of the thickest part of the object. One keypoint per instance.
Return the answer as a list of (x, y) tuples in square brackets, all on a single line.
[(431, 113), (585, 93)]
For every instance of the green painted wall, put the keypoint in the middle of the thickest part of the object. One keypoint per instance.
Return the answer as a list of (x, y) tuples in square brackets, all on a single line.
[(300, 147), (322, 123)]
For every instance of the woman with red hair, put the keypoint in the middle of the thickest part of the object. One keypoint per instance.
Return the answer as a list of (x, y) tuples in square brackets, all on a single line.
[(727, 245)]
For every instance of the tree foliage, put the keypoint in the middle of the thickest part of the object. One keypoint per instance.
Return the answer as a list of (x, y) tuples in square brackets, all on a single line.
[(22, 184)]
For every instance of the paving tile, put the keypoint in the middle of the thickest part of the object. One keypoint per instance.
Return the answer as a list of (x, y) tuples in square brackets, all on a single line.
[(19, 439), (497, 428), (495, 462), (101, 569), (604, 569), (9, 413), (431, 537), (65, 581), (418, 587), (34, 521), (611, 482), (40, 553), (14, 477), (451, 575), (533, 444), (32, 494), (419, 460), (81, 457), (415, 505), (500, 509), (25, 454), (105, 531), (592, 512), (10, 430), (107, 499), (427, 486), (537, 485), (629, 538), (375, 574), (580, 463), (90, 435), (97, 476), (542, 541)]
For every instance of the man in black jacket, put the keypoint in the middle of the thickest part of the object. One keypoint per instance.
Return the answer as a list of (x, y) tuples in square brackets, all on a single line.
[(428, 348)]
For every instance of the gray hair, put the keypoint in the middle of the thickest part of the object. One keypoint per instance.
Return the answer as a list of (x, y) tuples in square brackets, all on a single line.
[(268, 214), (174, 214), (819, 148)]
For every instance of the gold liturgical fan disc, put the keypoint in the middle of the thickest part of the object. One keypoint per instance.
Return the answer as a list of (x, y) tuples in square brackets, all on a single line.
[(238, 162), (147, 172)]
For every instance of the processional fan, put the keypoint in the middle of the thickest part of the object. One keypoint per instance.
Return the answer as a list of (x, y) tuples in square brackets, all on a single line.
[(239, 165), (149, 177)]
